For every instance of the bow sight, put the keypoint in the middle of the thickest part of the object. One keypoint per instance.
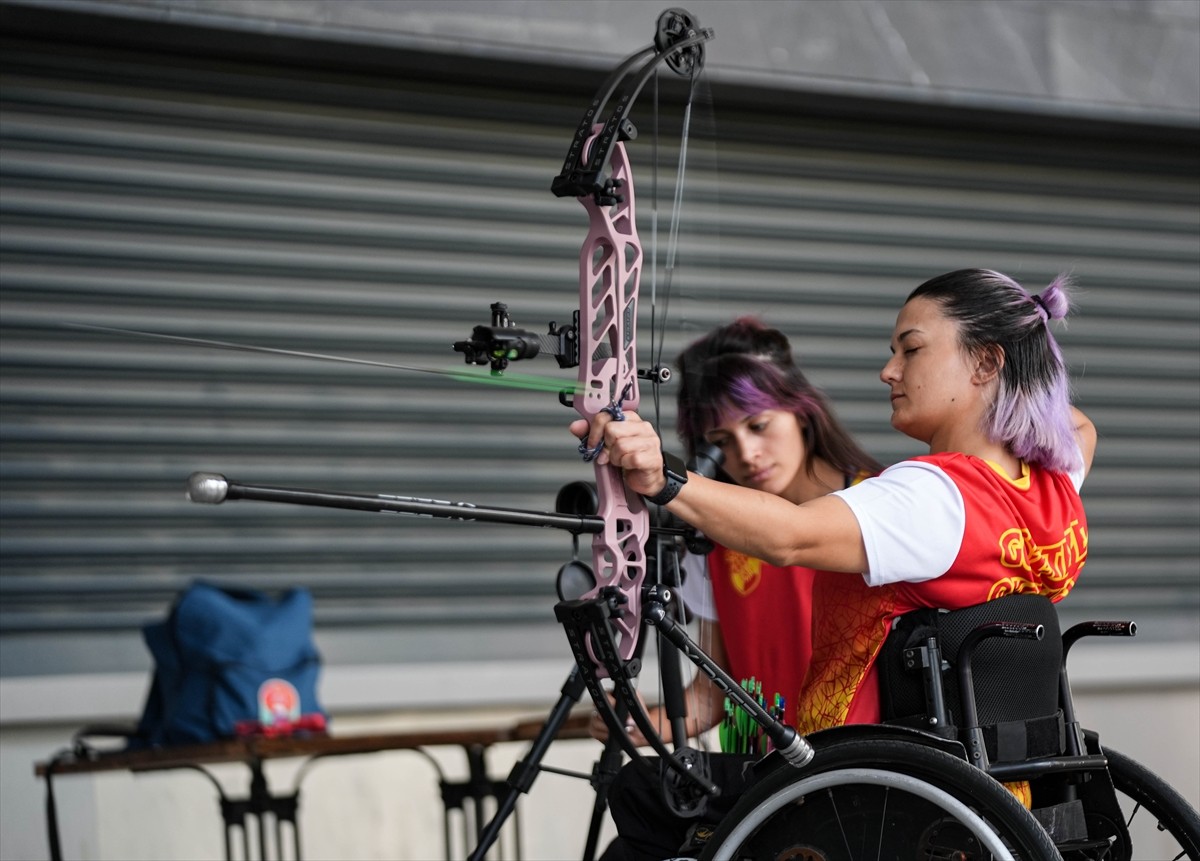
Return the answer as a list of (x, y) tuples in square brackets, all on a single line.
[(502, 342)]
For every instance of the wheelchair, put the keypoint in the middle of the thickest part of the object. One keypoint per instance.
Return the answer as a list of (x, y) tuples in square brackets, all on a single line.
[(973, 721)]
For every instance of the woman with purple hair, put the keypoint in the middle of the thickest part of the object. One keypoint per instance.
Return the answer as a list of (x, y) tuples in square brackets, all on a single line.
[(742, 392), (992, 509)]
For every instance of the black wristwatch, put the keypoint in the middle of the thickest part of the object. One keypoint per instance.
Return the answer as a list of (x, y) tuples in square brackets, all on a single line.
[(676, 475)]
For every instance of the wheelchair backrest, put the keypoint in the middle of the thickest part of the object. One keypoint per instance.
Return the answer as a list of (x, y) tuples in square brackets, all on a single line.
[(1016, 682)]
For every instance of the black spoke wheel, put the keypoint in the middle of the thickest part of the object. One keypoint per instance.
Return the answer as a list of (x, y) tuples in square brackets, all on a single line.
[(1161, 823), (879, 799)]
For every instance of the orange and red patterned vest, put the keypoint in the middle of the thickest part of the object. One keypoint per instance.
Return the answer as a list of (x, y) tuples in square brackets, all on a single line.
[(1022, 535)]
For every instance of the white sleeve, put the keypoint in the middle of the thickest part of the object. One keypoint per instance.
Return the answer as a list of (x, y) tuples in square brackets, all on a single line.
[(697, 588), (912, 520), (1078, 474)]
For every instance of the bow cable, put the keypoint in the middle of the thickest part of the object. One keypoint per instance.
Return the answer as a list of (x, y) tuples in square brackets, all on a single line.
[(702, 708), (658, 327)]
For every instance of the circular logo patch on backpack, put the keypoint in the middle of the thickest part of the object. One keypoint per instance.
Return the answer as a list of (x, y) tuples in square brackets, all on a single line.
[(278, 702)]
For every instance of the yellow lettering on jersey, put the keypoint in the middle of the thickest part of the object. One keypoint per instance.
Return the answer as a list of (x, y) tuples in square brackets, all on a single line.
[(1048, 569)]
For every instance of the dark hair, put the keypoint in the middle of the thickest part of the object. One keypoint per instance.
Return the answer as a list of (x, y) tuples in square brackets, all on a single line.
[(746, 367), (1031, 414)]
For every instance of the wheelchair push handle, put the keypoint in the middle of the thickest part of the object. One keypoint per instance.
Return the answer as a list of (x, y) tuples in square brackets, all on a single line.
[(1075, 741), (1008, 630), (1096, 629)]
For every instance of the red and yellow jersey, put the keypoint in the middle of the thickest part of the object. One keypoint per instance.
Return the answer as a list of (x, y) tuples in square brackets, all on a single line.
[(1018, 535), (766, 621)]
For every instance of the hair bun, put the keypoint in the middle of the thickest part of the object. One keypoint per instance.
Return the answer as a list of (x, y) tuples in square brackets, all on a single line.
[(1054, 302)]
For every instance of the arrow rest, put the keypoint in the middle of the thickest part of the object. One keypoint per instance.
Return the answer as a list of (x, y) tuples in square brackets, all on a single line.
[(502, 342)]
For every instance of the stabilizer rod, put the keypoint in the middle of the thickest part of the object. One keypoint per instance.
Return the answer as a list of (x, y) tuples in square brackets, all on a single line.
[(213, 489)]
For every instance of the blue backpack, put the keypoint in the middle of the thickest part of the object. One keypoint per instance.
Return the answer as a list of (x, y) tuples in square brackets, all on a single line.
[(231, 661)]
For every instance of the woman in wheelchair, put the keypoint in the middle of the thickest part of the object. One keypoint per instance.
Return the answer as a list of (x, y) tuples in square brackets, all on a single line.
[(991, 510)]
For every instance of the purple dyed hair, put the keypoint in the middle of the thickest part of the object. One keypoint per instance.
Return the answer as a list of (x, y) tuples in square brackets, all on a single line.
[(1031, 414), (745, 368)]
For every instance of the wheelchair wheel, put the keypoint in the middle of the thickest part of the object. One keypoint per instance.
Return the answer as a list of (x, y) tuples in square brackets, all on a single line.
[(879, 799), (1161, 823)]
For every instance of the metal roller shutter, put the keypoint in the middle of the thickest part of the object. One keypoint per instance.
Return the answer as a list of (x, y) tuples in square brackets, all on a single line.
[(378, 216)]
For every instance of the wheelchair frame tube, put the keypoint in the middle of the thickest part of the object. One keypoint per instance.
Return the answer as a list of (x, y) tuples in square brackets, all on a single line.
[(1075, 743), (976, 749)]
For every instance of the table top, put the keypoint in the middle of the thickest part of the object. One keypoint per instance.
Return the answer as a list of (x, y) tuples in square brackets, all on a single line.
[(257, 748)]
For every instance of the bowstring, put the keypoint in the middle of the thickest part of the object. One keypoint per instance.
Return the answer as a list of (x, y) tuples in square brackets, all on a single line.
[(705, 611), (700, 706), (659, 327)]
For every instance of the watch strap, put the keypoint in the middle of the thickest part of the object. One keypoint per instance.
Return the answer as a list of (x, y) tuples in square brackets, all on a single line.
[(676, 475)]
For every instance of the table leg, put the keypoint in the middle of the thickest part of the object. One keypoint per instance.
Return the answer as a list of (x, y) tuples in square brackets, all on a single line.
[(259, 806)]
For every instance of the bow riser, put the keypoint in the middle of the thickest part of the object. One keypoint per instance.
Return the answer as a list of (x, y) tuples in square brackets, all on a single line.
[(610, 266)]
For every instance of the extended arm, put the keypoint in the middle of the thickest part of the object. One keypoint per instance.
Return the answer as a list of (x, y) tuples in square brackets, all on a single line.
[(822, 533)]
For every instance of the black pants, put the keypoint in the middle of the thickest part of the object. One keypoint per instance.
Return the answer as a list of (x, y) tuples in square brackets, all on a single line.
[(647, 829)]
